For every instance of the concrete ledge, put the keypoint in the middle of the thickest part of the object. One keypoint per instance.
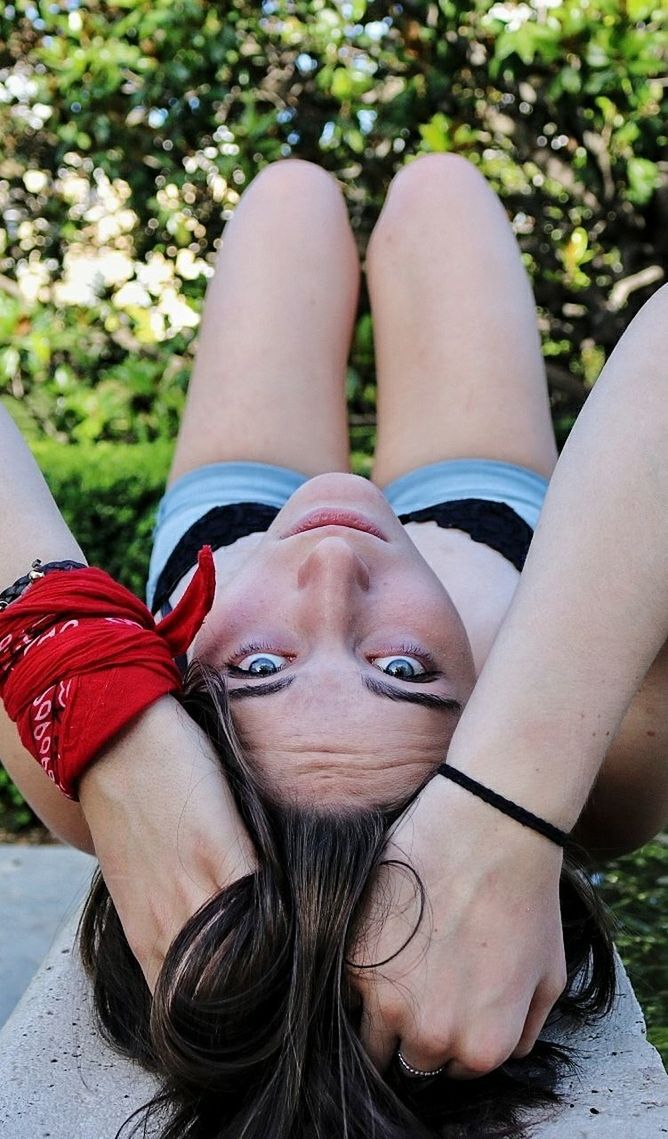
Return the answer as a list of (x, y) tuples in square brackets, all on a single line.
[(621, 1089), (59, 1081), (39, 887)]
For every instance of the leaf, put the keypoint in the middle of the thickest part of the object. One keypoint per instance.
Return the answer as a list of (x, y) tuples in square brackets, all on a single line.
[(9, 362), (436, 133), (644, 177), (357, 9), (596, 55), (570, 80), (608, 109), (355, 140), (341, 85), (39, 348), (640, 9), (529, 41), (347, 85)]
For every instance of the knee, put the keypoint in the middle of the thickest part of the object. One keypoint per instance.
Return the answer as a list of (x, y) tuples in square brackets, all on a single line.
[(446, 171), (430, 182), (296, 174)]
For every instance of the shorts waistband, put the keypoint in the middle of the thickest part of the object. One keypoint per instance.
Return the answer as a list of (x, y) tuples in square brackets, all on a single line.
[(221, 484), (520, 488)]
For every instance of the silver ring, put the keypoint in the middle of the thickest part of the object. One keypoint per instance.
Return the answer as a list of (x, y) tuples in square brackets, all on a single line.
[(417, 1072)]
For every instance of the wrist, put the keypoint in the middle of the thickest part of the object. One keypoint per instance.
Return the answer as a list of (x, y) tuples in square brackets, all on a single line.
[(136, 745), (442, 801), (506, 806), (552, 787), (448, 827), (543, 758), (161, 776)]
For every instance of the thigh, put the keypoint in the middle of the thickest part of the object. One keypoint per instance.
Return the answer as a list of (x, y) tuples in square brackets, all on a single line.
[(460, 370), (268, 383)]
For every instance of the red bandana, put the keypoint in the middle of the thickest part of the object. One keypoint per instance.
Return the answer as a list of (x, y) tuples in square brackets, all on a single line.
[(81, 656)]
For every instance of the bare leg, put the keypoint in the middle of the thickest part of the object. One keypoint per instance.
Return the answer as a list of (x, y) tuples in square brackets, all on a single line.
[(459, 364), (268, 383)]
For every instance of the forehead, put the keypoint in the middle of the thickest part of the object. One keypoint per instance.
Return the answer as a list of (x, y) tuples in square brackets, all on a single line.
[(337, 742)]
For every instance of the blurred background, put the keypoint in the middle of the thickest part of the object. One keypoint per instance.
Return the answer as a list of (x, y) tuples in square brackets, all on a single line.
[(128, 132)]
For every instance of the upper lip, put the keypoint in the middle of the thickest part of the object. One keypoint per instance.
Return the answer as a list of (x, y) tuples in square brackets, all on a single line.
[(334, 516)]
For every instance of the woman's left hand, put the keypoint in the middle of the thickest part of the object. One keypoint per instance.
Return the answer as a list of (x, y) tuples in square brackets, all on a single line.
[(481, 971), (165, 827)]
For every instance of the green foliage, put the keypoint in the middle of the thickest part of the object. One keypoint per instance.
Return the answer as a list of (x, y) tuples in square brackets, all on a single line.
[(108, 495), (15, 814), (636, 889), (129, 131)]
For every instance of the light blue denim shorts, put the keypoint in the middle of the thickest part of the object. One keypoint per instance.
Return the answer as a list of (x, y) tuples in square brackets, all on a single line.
[(221, 484)]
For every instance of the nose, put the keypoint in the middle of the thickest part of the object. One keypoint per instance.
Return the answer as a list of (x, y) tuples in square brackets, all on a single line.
[(334, 568)]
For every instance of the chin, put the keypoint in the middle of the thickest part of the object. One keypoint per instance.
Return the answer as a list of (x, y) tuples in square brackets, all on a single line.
[(342, 483)]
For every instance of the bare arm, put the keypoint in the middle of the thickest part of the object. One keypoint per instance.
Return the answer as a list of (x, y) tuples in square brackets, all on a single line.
[(628, 804), (154, 807), (586, 625), (31, 526), (590, 615)]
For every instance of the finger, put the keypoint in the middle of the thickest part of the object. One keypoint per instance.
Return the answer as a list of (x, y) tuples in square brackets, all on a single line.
[(151, 970), (456, 1071), (427, 1049), (477, 1056), (534, 1022), (539, 1010), (379, 1041)]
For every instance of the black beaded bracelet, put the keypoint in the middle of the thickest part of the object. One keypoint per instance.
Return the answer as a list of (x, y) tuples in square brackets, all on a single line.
[(520, 814), (36, 571)]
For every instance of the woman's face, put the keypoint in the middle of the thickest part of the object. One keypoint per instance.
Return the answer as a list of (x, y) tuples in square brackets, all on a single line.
[(347, 663)]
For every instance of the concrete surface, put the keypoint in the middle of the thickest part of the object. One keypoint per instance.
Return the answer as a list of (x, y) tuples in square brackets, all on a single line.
[(621, 1091), (58, 1080), (39, 886)]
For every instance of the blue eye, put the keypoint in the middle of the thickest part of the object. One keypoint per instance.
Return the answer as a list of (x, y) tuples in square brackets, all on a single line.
[(261, 664), (401, 667)]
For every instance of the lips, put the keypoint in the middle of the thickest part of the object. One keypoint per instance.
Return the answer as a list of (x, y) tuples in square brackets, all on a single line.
[(316, 519)]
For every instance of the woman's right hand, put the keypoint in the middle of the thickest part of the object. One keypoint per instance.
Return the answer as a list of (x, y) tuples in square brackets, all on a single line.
[(165, 827), (480, 971)]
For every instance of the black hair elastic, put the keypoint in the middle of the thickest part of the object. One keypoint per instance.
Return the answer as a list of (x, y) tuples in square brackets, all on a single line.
[(520, 814), (36, 571)]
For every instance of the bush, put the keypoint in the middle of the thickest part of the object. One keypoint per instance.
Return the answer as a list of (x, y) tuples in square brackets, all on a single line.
[(130, 130), (108, 495), (15, 814)]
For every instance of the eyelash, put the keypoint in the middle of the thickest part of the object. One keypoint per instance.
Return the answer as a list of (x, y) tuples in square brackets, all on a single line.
[(246, 650), (431, 672), (426, 660)]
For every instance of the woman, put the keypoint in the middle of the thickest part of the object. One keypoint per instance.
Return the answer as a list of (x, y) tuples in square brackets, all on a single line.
[(482, 410)]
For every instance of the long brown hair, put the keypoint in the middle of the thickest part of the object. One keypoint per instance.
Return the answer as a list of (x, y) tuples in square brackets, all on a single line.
[(253, 1026)]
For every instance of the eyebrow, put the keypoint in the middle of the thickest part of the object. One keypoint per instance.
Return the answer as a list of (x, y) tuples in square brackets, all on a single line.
[(246, 690), (378, 687), (426, 699)]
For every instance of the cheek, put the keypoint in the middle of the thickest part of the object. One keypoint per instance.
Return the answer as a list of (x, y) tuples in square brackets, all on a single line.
[(428, 607), (250, 599), (218, 630), (442, 626), (245, 608)]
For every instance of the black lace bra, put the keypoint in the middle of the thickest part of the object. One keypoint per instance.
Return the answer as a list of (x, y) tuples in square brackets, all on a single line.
[(495, 524)]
